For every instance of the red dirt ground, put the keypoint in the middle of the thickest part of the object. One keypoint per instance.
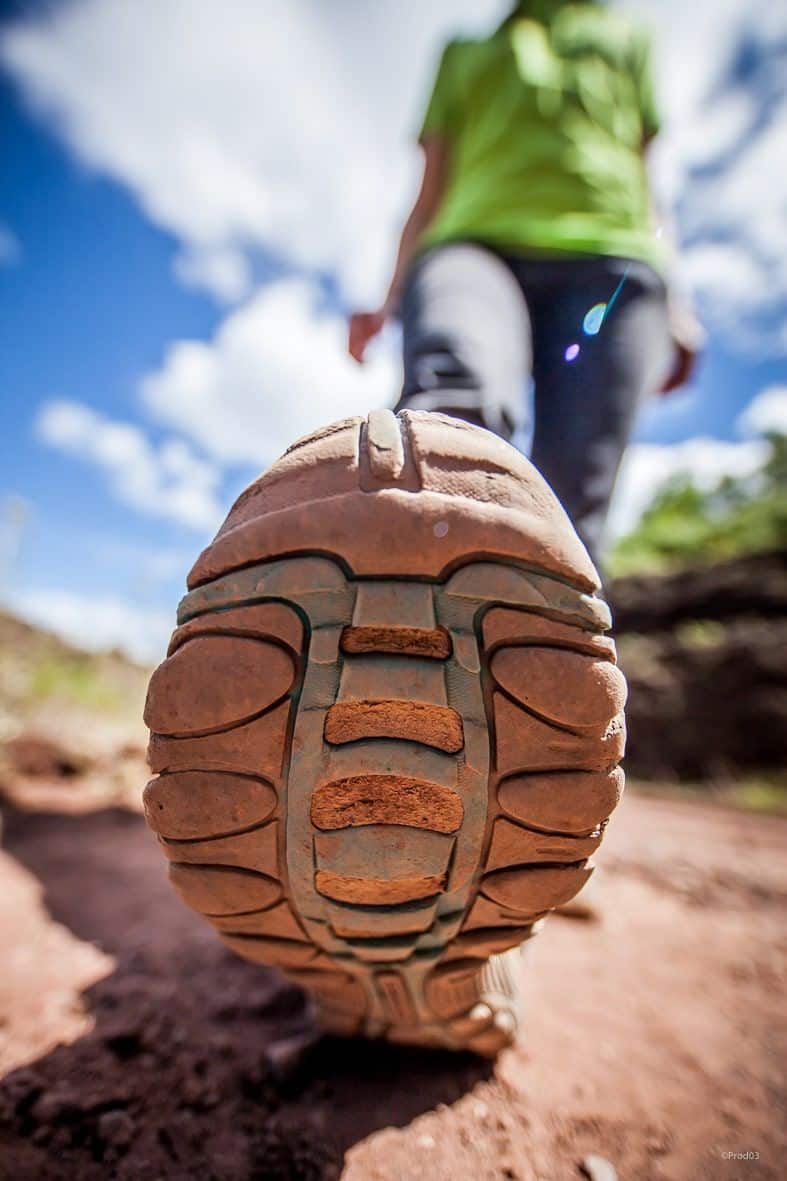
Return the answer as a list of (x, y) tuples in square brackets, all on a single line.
[(135, 1047)]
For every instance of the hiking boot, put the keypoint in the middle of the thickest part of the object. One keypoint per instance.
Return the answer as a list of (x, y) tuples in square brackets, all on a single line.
[(386, 732)]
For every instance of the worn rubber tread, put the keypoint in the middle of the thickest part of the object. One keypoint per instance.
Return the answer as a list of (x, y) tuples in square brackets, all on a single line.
[(381, 759), (193, 805)]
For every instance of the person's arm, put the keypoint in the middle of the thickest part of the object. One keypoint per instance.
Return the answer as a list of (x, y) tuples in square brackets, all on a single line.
[(688, 338), (688, 335), (364, 326)]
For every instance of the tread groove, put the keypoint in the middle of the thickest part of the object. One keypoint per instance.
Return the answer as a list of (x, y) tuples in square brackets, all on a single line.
[(226, 727), (198, 866), (219, 836), (562, 727)]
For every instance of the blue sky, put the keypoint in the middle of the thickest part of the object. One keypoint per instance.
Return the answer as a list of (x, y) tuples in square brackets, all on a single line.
[(183, 225)]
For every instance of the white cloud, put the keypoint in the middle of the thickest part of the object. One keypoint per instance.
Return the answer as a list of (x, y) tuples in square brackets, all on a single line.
[(719, 267), (723, 159), (276, 369), (10, 247), (97, 622), (281, 126), (766, 413), (253, 123), (648, 467), (224, 271), (278, 127), (739, 274), (15, 514), (168, 481), (741, 292)]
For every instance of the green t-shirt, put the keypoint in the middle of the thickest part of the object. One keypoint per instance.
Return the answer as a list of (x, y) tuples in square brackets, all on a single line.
[(546, 121)]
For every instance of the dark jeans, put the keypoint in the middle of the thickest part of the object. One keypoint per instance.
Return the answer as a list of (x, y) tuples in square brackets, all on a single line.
[(478, 325)]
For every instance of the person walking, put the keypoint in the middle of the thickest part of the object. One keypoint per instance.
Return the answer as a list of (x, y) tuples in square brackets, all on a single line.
[(387, 732), (533, 250)]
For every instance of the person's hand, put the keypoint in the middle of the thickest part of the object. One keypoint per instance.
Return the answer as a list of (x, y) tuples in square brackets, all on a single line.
[(364, 326), (683, 365), (688, 338)]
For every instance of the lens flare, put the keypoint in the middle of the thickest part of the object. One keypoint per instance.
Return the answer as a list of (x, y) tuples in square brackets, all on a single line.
[(572, 352), (591, 325)]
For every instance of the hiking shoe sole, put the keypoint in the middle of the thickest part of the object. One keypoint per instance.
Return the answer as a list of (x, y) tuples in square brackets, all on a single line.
[(387, 730)]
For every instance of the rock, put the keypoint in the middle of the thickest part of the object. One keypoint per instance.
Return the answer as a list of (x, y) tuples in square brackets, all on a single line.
[(39, 757), (598, 1168), (705, 654), (707, 703), (753, 585)]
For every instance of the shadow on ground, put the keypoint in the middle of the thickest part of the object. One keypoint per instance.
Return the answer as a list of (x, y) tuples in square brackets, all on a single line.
[(199, 1066)]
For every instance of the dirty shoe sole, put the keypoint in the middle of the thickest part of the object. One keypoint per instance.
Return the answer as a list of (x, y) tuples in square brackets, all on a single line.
[(386, 733)]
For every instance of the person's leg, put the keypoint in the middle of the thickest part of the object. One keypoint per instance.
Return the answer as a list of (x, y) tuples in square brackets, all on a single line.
[(466, 338), (584, 408)]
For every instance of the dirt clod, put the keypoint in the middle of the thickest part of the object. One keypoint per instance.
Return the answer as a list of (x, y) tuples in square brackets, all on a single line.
[(116, 1128)]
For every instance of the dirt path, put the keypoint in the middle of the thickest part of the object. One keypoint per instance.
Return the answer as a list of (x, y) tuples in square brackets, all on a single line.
[(656, 1038)]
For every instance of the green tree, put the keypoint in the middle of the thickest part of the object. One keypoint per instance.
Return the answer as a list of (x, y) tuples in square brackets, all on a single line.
[(685, 525)]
